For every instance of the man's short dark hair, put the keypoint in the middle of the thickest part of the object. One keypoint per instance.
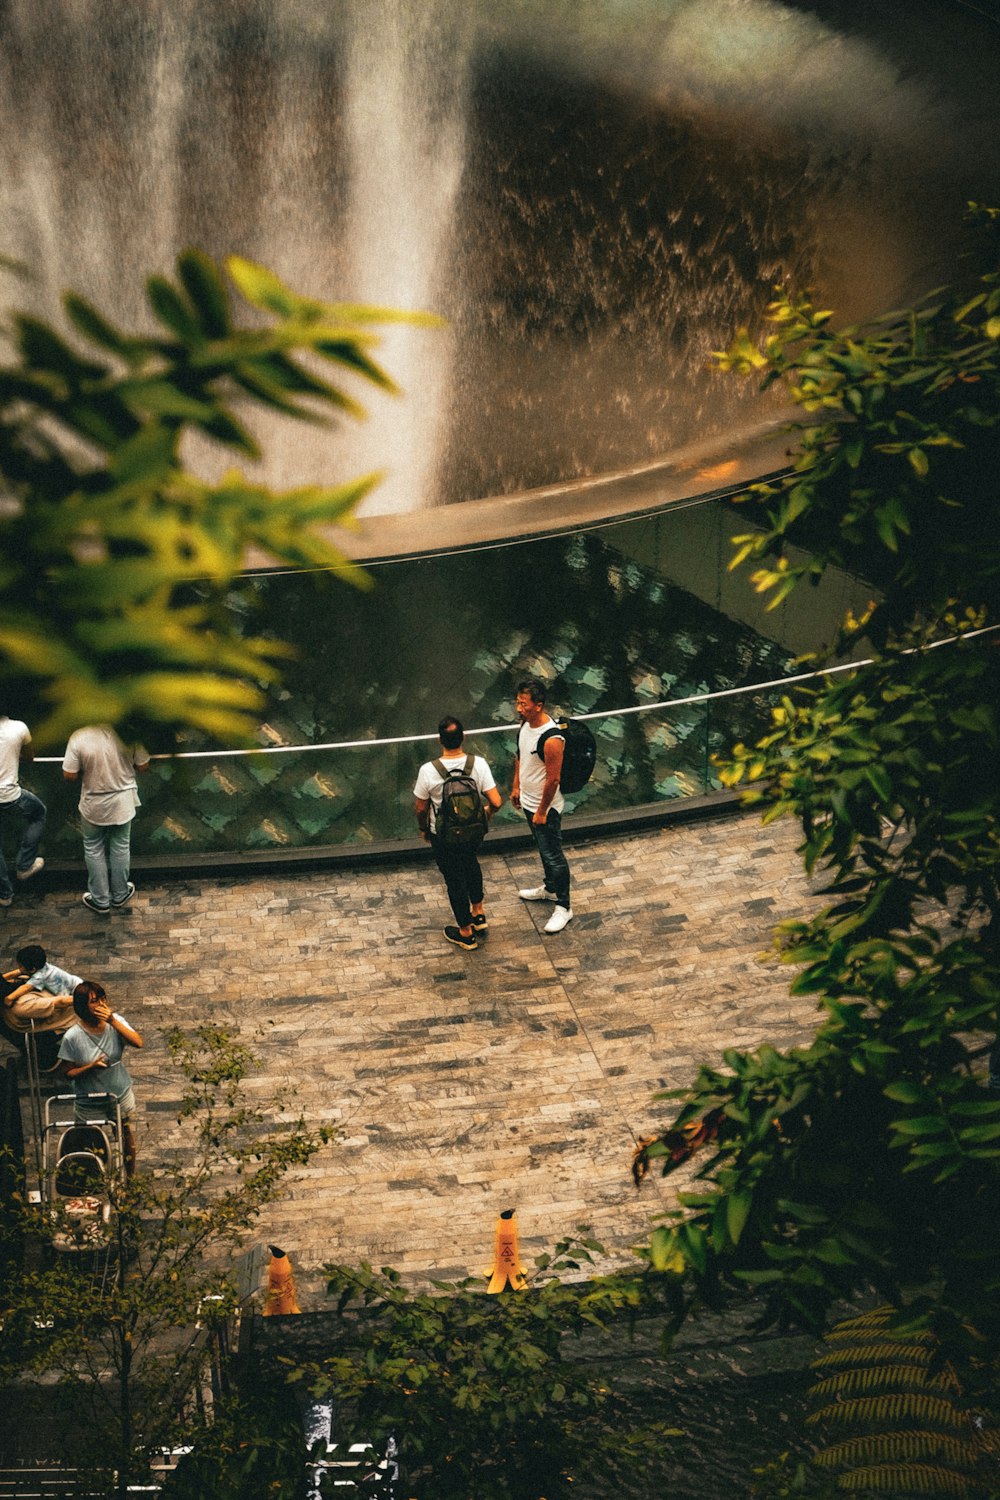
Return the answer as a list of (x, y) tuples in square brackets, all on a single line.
[(534, 687), (31, 958), (450, 732)]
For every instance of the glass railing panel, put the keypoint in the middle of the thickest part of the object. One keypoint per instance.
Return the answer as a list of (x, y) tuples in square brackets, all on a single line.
[(644, 758), (363, 793), (743, 718), (341, 796), (62, 835), (190, 807)]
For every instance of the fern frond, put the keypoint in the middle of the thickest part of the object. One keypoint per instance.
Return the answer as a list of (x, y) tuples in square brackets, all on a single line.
[(878, 1378), (881, 1350), (878, 1317), (908, 1479), (892, 1404), (891, 1447), (904, 1406)]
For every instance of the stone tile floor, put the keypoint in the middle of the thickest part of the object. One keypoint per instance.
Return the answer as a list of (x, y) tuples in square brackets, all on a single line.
[(520, 1075)]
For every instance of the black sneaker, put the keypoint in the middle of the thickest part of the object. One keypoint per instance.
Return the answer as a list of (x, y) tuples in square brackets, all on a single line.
[(454, 935), (129, 893), (89, 901), (479, 922)]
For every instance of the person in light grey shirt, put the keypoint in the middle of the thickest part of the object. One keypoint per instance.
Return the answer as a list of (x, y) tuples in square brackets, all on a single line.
[(109, 797), (91, 1056)]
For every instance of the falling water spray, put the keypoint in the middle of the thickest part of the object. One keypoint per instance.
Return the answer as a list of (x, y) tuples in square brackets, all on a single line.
[(406, 108)]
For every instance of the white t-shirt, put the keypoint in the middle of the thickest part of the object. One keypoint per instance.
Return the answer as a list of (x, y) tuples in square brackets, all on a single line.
[(13, 734), (531, 767), (108, 794), (430, 781)]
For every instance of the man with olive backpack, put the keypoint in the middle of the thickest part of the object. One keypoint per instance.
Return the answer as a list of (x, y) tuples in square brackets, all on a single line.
[(455, 797)]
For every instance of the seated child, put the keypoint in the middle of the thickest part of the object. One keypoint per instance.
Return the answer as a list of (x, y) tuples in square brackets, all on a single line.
[(38, 995)]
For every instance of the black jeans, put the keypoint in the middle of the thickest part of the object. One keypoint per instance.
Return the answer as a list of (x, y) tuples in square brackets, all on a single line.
[(548, 841), (462, 876)]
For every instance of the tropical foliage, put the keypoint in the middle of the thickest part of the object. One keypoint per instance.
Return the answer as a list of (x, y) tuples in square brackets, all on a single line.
[(103, 526), (490, 1396), (893, 1415), (871, 1157), (124, 1333)]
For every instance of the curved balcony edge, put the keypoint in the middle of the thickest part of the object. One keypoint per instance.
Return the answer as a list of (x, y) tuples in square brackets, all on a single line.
[(576, 828)]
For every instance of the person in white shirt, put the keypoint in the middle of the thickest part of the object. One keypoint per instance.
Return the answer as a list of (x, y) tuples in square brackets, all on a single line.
[(108, 800), (18, 806), (463, 877), (537, 769)]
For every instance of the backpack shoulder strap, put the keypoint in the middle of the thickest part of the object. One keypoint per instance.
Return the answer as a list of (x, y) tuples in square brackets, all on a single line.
[(470, 761), (441, 769), (555, 728)]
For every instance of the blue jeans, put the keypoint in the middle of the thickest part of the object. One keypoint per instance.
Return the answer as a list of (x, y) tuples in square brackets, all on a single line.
[(548, 841), (29, 810), (106, 844)]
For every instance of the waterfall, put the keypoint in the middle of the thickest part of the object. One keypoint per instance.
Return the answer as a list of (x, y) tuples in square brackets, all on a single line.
[(406, 98), (595, 193)]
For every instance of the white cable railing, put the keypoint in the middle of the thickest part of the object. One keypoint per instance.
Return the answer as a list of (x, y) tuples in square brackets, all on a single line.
[(609, 713)]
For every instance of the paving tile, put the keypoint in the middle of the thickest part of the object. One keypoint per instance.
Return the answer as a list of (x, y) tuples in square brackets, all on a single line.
[(519, 1075)]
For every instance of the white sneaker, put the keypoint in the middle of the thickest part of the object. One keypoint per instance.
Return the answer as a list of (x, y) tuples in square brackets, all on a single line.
[(33, 869), (558, 919), (537, 893)]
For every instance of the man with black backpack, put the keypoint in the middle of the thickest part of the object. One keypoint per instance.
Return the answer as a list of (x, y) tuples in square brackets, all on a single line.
[(454, 797), (541, 746)]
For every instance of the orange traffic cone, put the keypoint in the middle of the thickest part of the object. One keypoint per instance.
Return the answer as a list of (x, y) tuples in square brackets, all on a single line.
[(280, 1297), (506, 1270)]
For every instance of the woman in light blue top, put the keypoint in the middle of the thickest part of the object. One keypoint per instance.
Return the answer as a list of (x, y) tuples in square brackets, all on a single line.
[(91, 1055)]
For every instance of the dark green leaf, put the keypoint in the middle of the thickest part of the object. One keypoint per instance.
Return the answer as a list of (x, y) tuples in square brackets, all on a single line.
[(173, 311), (204, 286)]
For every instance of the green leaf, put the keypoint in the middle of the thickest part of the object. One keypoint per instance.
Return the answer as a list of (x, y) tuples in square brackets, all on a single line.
[(905, 1091), (695, 1244), (222, 426), (803, 1213), (262, 287), (661, 1247), (963, 312), (880, 780), (163, 399), (354, 357), (920, 1125), (173, 311), (933, 1149), (738, 1207), (96, 328), (42, 348), (203, 284), (146, 458)]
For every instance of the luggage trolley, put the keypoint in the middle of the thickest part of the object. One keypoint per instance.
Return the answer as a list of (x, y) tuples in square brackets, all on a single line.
[(79, 1166)]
